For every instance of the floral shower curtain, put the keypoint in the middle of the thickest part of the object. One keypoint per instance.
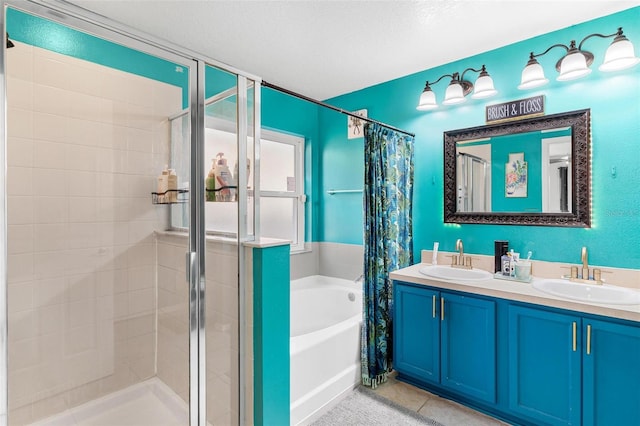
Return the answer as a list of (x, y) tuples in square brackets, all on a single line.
[(388, 240)]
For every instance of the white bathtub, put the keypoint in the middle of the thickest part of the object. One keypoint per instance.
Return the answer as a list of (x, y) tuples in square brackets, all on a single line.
[(326, 316)]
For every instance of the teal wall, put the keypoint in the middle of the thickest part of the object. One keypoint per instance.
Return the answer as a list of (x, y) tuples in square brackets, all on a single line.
[(271, 298), (342, 167), (615, 110)]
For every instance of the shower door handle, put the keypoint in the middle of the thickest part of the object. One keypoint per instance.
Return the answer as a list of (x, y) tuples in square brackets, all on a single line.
[(190, 268)]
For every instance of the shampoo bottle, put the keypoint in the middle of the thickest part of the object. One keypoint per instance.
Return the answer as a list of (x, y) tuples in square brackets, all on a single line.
[(172, 186), (224, 179), (163, 185), (210, 183), (236, 170)]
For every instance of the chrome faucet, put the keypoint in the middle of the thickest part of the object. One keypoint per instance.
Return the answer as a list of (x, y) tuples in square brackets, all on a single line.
[(461, 261)]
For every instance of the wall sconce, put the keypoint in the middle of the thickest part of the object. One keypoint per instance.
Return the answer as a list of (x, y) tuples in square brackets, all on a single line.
[(457, 90), (575, 63)]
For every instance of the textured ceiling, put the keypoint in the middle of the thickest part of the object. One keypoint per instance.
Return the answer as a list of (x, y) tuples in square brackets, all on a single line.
[(326, 48)]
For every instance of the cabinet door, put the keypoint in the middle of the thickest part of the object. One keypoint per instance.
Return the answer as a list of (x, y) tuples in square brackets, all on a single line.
[(544, 366), (468, 346), (611, 380), (416, 332)]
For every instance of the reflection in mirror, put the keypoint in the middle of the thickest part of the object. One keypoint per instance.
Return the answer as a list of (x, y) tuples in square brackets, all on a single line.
[(473, 180), (533, 171), (556, 174), (482, 172)]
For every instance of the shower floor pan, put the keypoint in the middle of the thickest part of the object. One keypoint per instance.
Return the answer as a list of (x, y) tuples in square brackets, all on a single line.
[(148, 403)]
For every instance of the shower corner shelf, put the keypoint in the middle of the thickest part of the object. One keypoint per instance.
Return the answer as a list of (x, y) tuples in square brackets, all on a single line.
[(214, 193), (171, 196)]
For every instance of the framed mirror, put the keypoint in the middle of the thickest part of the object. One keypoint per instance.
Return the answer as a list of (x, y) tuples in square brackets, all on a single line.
[(529, 172)]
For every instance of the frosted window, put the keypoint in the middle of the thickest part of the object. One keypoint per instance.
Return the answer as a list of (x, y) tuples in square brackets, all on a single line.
[(282, 198), (278, 218), (278, 166)]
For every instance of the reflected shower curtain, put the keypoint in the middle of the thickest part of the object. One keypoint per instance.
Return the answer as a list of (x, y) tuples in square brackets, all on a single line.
[(388, 240)]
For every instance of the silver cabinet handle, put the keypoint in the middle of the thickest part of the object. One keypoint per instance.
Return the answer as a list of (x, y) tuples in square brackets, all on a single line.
[(433, 306)]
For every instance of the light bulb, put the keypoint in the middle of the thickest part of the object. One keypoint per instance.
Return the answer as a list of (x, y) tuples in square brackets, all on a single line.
[(532, 76), (454, 94), (427, 100), (573, 66), (620, 55), (484, 87)]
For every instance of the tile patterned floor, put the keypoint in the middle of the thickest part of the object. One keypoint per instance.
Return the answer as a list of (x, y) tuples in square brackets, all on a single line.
[(442, 410)]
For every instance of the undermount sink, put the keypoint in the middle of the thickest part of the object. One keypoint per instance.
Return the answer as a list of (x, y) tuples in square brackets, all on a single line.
[(596, 293), (449, 273)]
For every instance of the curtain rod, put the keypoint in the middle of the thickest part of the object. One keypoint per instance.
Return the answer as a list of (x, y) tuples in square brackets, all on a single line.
[(306, 98)]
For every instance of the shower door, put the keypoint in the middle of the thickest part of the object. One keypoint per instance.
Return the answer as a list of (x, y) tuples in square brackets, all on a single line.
[(473, 186), (103, 261), (228, 152)]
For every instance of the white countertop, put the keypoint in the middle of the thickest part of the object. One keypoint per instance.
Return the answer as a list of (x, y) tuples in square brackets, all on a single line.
[(517, 291)]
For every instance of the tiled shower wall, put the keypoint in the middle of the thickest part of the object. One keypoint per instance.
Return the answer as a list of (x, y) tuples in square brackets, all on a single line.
[(85, 144)]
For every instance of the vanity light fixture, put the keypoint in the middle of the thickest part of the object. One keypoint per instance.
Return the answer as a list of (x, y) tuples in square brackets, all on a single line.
[(457, 90), (575, 63)]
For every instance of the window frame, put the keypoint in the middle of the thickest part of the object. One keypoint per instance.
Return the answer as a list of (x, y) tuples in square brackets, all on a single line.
[(299, 194), (298, 143)]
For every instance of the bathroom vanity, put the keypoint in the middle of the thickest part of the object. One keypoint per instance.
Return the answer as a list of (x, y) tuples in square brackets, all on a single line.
[(510, 350)]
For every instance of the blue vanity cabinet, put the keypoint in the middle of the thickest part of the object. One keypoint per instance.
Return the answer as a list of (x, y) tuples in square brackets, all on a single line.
[(557, 367), (445, 339), (468, 346), (571, 369), (544, 366), (416, 331), (611, 373)]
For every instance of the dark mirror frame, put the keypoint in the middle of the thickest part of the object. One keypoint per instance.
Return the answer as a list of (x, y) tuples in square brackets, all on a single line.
[(580, 216)]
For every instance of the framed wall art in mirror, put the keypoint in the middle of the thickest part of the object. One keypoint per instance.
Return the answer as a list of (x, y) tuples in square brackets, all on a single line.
[(549, 157)]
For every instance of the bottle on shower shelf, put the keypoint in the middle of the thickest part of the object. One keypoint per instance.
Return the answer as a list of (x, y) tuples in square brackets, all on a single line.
[(237, 177), (172, 186), (163, 185), (224, 179), (210, 183)]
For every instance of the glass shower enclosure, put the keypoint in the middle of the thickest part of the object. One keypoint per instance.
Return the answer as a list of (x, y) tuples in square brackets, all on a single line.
[(120, 284)]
